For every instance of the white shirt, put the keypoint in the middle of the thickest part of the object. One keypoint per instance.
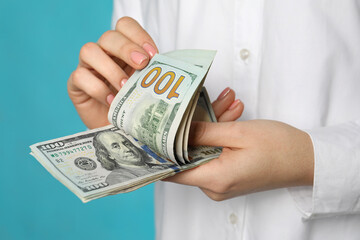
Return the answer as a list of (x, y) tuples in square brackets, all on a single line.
[(293, 61)]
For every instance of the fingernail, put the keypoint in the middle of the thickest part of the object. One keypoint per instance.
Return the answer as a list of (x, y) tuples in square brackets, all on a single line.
[(224, 93), (234, 104), (138, 58), (122, 82), (149, 49), (110, 98)]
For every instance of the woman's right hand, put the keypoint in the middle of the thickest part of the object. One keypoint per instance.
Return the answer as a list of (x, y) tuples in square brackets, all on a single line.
[(105, 66)]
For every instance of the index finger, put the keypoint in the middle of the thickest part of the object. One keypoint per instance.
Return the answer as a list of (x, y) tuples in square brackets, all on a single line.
[(134, 31)]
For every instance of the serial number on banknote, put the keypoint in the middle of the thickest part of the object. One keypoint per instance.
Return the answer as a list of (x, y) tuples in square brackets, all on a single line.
[(72, 151)]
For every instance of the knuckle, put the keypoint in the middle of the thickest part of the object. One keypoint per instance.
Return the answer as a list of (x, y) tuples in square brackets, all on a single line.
[(221, 187), (106, 36), (123, 21), (86, 50), (216, 197), (78, 75)]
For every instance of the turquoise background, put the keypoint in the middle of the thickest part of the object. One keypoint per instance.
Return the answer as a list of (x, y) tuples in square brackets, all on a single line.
[(39, 47)]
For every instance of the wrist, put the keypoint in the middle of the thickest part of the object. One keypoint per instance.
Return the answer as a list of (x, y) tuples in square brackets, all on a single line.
[(307, 160)]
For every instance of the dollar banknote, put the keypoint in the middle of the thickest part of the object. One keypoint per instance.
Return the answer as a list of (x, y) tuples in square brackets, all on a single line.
[(148, 139)]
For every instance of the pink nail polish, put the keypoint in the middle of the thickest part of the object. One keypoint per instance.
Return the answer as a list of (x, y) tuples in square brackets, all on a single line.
[(224, 93), (110, 98), (149, 49), (234, 104), (122, 83), (138, 58)]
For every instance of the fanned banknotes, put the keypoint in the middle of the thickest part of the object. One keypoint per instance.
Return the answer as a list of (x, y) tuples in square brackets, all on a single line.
[(148, 139)]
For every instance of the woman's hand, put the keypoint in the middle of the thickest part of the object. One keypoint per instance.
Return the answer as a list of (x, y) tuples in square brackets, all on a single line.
[(105, 66), (257, 155)]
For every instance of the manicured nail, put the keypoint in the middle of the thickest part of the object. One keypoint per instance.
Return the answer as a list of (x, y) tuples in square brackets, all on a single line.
[(122, 83), (149, 49), (234, 104), (224, 93), (138, 58), (110, 98)]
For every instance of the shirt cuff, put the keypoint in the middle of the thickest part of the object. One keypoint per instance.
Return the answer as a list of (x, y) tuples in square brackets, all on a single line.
[(336, 188)]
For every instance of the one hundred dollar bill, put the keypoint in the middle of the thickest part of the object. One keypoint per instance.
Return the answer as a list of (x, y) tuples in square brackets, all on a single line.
[(148, 139)]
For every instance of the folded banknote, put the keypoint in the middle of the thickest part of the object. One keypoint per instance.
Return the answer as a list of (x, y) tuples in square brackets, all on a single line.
[(148, 139)]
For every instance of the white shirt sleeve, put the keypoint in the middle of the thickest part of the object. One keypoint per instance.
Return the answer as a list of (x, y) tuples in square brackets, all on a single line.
[(336, 188)]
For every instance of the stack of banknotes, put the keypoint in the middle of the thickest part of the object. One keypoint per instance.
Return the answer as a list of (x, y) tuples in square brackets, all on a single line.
[(148, 139)]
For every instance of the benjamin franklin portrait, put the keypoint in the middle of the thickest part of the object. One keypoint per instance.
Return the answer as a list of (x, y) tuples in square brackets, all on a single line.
[(126, 161)]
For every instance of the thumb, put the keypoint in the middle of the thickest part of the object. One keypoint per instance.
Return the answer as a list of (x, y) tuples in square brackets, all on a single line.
[(220, 134)]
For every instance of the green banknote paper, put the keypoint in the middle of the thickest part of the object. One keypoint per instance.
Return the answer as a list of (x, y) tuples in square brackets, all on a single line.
[(148, 139)]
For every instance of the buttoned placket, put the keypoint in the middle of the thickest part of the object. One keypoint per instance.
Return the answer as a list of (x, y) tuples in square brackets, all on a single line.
[(248, 22), (248, 19), (235, 217)]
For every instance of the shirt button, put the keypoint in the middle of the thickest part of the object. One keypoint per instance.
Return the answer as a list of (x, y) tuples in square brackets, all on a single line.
[(244, 54), (233, 218)]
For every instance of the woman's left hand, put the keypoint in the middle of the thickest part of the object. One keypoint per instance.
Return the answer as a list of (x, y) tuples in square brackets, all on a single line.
[(257, 155)]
